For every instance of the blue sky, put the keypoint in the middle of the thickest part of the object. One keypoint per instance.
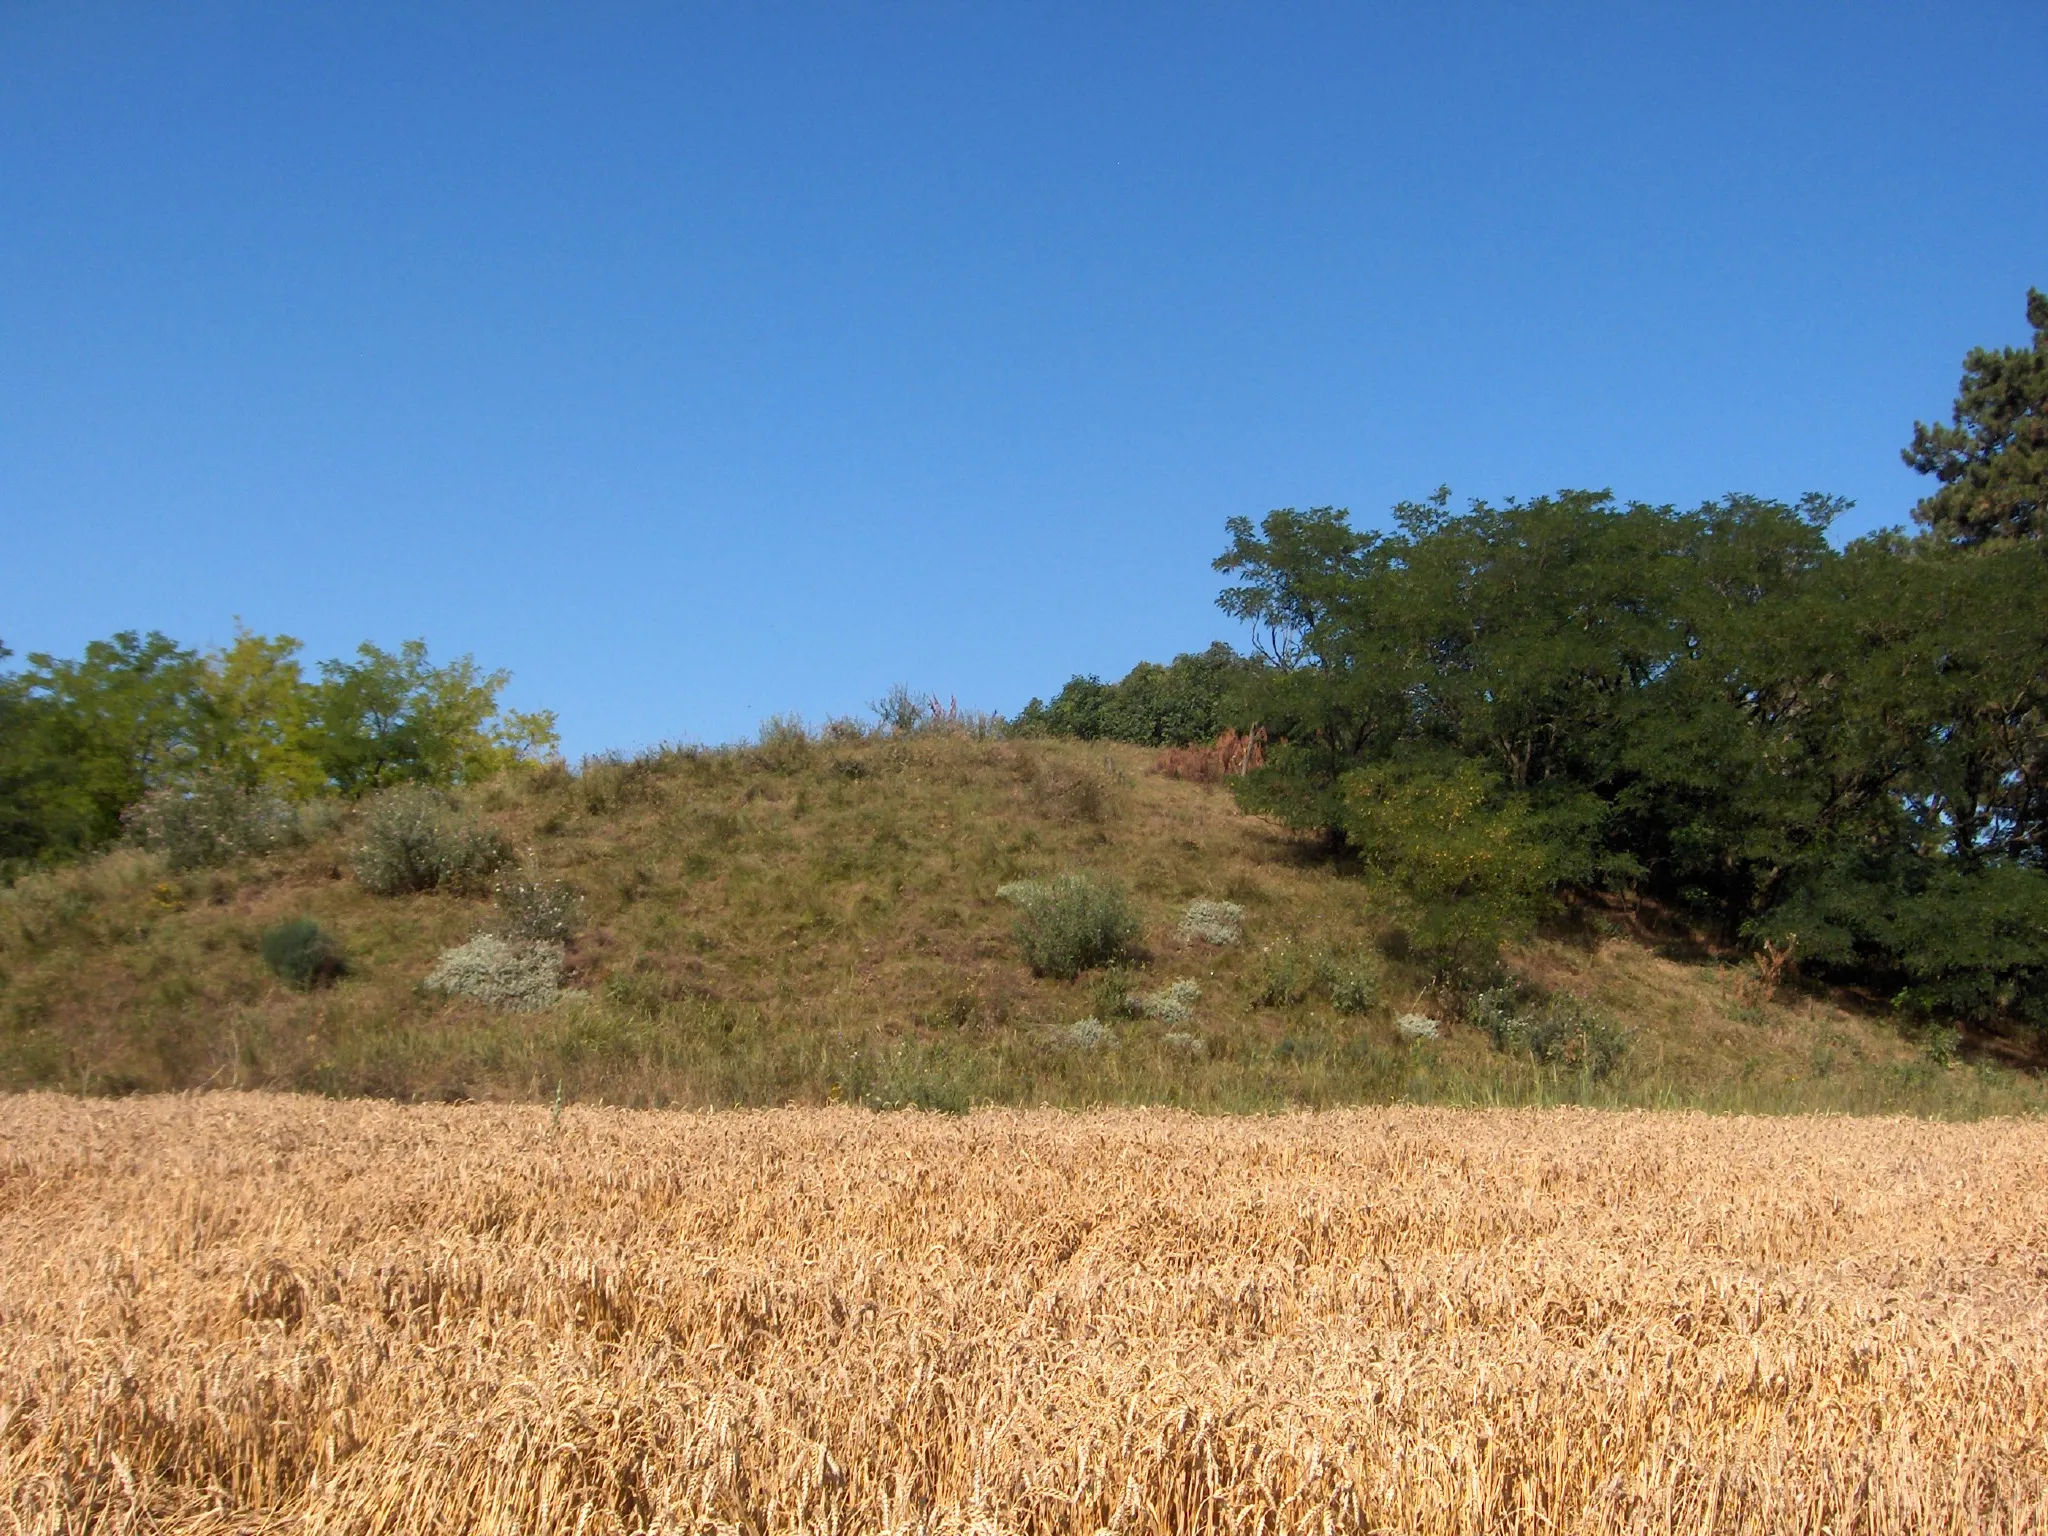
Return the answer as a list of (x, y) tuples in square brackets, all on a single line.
[(699, 362)]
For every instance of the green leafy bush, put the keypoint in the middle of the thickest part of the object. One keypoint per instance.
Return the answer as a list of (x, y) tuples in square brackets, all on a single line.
[(417, 839), (303, 955), (1112, 995), (1285, 977), (1558, 1030), (1352, 983), (1464, 860), (1072, 923), (1951, 944), (1292, 974), (212, 821), (517, 977)]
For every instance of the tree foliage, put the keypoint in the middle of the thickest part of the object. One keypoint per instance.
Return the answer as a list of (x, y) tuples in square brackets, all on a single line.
[(1183, 702), (139, 718), (395, 718), (1842, 749)]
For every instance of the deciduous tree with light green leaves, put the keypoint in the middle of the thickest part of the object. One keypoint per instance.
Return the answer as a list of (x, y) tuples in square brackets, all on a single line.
[(395, 718)]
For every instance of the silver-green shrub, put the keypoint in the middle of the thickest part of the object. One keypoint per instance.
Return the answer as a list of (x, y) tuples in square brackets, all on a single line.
[(417, 839), (1172, 1004), (1417, 1026), (211, 821), (518, 977), (1211, 922), (1072, 923), (1087, 1033)]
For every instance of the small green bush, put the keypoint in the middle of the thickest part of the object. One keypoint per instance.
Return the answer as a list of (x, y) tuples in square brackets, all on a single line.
[(1291, 974), (303, 955), (1285, 977), (1461, 855), (416, 839), (539, 909), (1112, 994), (1558, 1030), (212, 821), (1353, 982), (1072, 923)]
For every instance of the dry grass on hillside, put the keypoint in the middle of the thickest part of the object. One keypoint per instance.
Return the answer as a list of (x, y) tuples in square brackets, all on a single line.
[(243, 1313), (818, 920)]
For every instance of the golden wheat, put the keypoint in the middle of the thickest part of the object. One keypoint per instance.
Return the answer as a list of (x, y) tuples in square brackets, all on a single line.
[(248, 1313)]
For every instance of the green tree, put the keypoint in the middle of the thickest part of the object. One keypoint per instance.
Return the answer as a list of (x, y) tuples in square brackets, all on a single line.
[(1993, 461), (86, 739), (1332, 694), (264, 705), (1531, 635), (394, 717), (27, 774), (1462, 854), (1183, 702)]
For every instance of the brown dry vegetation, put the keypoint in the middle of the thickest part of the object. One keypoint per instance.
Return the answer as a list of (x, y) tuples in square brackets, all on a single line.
[(813, 921), (235, 1312)]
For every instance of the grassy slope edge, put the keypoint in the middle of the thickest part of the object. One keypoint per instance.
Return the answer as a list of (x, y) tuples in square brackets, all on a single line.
[(815, 921)]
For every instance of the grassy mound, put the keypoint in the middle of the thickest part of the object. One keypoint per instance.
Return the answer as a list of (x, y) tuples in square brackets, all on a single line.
[(814, 921)]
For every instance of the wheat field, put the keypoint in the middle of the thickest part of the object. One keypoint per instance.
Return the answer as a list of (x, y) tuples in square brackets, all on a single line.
[(242, 1313)]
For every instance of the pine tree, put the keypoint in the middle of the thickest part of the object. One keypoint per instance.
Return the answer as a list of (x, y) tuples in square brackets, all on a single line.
[(1993, 463)]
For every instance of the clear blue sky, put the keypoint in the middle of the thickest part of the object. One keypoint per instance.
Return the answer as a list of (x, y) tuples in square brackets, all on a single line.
[(698, 362)]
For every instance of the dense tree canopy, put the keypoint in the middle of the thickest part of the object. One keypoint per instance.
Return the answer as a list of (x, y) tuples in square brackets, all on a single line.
[(1843, 749), (1840, 752)]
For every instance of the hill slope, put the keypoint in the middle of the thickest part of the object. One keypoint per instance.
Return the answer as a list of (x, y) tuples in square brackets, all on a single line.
[(813, 921)]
